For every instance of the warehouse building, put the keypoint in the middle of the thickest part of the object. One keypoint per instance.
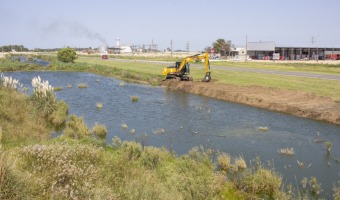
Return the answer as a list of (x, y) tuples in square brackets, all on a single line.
[(269, 51)]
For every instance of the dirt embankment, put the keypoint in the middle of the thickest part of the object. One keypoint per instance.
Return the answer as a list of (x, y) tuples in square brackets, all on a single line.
[(292, 102)]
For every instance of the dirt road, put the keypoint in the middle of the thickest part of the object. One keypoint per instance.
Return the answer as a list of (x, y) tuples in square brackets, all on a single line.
[(292, 102)]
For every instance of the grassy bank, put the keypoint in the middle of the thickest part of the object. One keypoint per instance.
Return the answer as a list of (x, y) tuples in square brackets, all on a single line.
[(319, 87)]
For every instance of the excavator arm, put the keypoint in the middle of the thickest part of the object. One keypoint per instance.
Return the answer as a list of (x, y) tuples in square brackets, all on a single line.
[(182, 71)]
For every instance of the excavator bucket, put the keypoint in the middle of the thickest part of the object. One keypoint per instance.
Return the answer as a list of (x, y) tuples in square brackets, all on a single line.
[(207, 77)]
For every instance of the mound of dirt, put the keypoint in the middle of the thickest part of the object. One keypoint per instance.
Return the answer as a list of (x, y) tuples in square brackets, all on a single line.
[(292, 102)]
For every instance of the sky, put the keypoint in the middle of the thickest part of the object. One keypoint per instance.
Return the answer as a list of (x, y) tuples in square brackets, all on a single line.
[(193, 23)]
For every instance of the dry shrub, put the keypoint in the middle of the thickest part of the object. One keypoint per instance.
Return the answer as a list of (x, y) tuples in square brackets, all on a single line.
[(10, 186), (132, 150), (67, 171), (240, 163), (224, 162), (100, 130), (152, 156), (76, 128), (336, 189), (199, 154), (20, 120), (59, 115), (262, 182)]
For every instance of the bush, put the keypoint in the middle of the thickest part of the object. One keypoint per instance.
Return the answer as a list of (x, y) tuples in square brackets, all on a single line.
[(65, 171), (224, 162), (67, 55), (99, 130), (59, 115), (262, 182), (76, 128)]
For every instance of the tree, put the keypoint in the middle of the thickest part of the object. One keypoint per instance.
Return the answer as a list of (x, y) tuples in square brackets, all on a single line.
[(207, 49), (67, 55), (221, 46)]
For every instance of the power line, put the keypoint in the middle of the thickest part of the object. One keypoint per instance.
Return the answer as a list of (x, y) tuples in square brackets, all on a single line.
[(313, 40), (171, 47)]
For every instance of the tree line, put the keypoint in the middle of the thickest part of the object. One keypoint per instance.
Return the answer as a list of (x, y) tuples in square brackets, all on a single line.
[(10, 48)]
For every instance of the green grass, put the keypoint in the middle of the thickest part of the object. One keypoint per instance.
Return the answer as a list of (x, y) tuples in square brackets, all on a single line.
[(280, 66), (319, 87), (9, 65)]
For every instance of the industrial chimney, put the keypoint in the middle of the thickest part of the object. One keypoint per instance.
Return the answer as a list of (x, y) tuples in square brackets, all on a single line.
[(117, 42)]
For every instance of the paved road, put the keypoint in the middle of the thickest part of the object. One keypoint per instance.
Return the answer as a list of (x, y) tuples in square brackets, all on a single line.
[(263, 71)]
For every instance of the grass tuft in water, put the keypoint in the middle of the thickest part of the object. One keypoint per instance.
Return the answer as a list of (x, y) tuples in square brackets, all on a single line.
[(134, 98), (99, 105), (287, 151), (133, 131), (240, 163), (315, 186), (57, 88), (262, 128), (304, 182), (124, 125), (82, 85), (69, 86), (328, 146)]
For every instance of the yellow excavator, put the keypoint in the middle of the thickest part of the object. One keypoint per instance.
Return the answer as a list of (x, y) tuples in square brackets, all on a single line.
[(181, 69)]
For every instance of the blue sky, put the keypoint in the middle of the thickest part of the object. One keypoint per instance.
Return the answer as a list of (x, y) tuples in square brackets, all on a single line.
[(55, 24)]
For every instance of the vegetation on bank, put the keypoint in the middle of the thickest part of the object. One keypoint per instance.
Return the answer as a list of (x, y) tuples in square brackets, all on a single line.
[(76, 165), (66, 55)]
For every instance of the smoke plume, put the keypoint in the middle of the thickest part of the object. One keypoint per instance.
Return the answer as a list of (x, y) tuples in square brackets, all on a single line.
[(72, 29)]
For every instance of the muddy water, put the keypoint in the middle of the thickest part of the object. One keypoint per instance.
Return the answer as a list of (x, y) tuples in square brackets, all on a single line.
[(180, 121)]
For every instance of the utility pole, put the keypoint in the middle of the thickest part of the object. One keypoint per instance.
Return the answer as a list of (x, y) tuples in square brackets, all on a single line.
[(313, 38), (188, 47), (171, 47), (246, 47)]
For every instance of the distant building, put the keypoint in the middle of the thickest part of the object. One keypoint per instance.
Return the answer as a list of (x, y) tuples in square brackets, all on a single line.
[(268, 50)]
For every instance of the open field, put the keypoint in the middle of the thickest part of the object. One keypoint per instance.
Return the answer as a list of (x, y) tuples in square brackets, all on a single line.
[(319, 87)]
